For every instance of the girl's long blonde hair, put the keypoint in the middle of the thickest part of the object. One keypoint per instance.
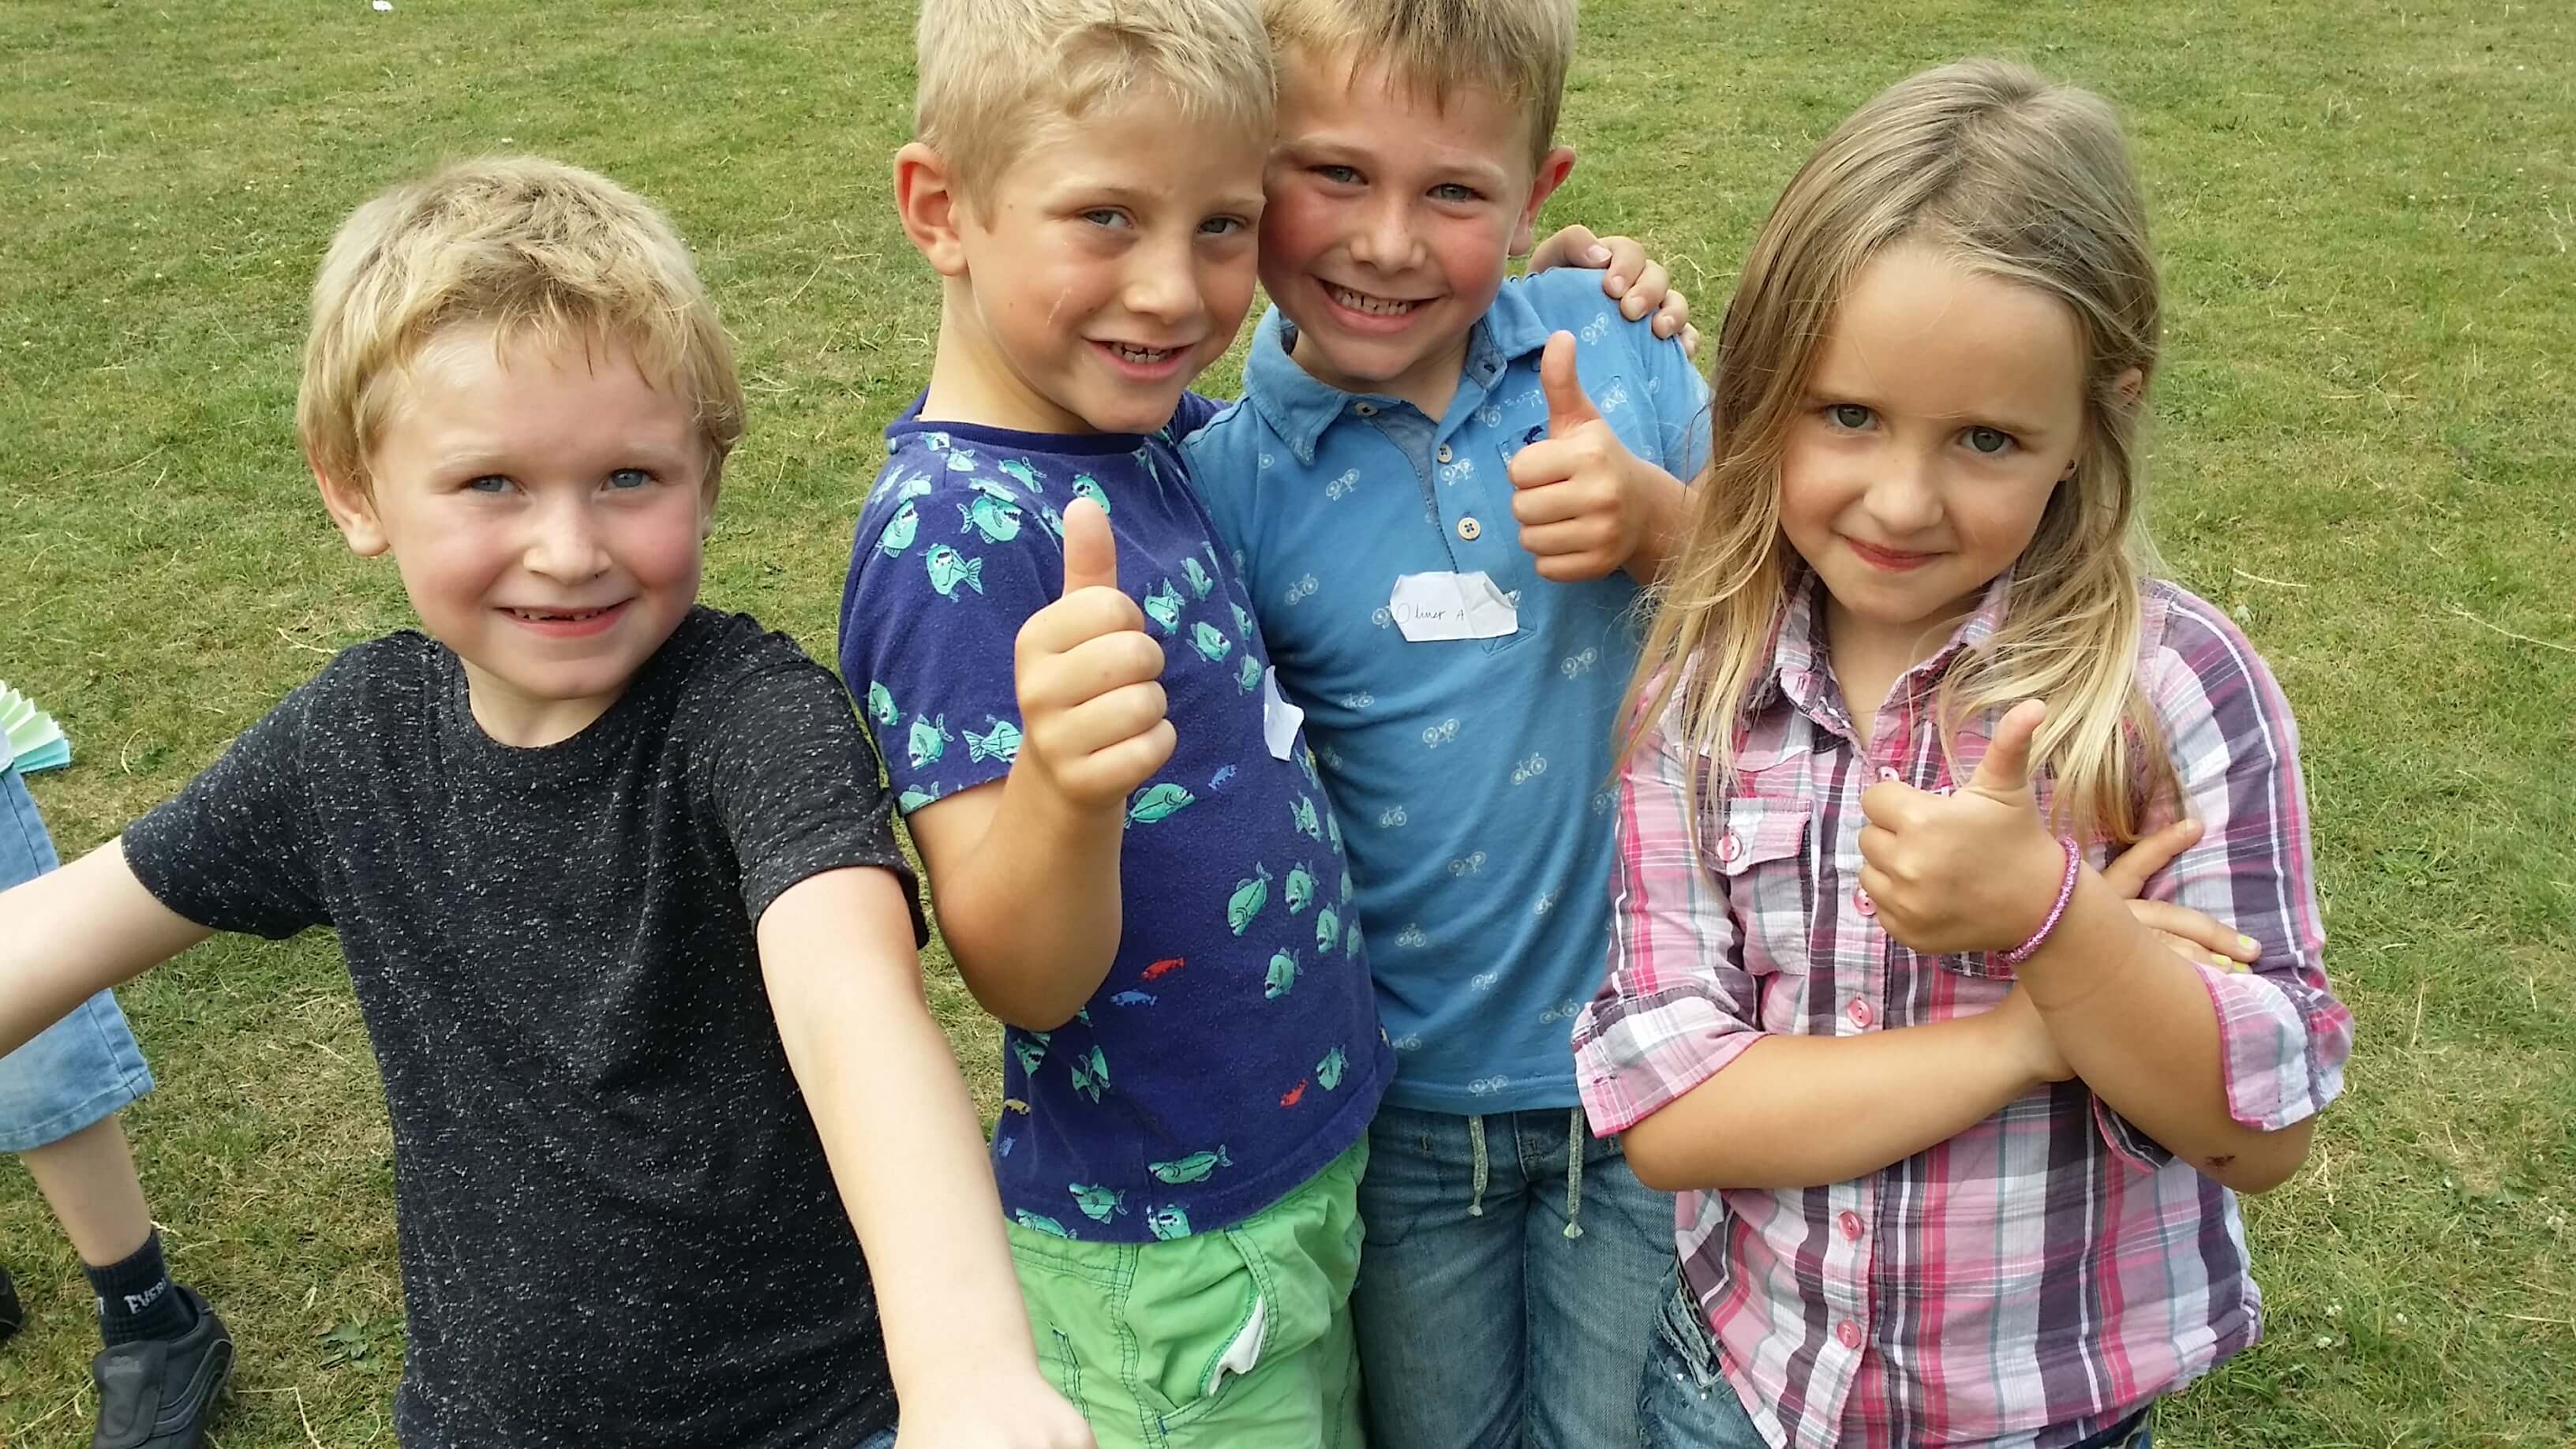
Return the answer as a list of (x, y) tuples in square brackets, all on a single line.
[(2023, 180)]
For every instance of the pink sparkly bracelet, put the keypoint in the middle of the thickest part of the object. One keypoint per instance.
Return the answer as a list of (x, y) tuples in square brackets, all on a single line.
[(2057, 912)]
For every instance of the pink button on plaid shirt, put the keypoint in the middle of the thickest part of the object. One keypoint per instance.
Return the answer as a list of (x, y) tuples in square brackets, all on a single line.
[(2045, 1273)]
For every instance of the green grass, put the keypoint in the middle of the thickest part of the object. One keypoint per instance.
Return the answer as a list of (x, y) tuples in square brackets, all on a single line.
[(2366, 214)]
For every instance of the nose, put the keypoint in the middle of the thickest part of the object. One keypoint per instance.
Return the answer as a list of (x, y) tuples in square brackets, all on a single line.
[(1905, 493), (1162, 282), (1384, 238), (564, 541)]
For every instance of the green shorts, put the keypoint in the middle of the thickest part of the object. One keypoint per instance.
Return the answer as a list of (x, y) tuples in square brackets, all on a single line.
[(1239, 1338)]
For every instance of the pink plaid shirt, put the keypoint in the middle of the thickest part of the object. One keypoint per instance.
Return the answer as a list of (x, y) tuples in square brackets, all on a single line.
[(2050, 1270)]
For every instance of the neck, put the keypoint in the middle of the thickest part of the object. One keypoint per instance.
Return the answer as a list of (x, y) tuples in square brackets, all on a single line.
[(1428, 385), (972, 382)]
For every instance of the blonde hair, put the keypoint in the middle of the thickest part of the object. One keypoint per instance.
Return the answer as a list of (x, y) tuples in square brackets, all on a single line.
[(1520, 49), (2016, 178), (529, 247), (994, 74)]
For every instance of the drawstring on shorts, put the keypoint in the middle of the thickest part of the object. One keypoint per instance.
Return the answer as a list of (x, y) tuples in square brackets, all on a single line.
[(1476, 1144), (1574, 1175)]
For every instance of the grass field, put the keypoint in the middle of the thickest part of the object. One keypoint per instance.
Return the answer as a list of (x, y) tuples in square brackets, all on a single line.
[(2366, 213)]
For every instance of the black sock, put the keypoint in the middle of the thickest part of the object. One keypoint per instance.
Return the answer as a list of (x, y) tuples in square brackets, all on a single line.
[(137, 1300), (11, 1315)]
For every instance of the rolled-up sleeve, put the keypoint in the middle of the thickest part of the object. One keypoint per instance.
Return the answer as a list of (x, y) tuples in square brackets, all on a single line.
[(2283, 1037), (1678, 1005)]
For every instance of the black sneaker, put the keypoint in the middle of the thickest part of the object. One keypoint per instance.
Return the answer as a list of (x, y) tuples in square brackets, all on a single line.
[(159, 1393), (11, 1314)]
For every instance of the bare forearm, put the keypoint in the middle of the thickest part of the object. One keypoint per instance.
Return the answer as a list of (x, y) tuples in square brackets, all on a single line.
[(1800, 1111), (75, 932), (1032, 912), (1667, 520), (2136, 1023)]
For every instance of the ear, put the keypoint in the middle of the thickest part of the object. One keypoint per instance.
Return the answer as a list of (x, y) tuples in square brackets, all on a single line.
[(352, 511), (2131, 386), (1552, 171), (925, 196)]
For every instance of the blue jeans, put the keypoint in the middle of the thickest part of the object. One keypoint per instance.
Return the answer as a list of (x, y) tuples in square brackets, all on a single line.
[(1687, 1402), (881, 1439), (83, 1067), (1482, 1323)]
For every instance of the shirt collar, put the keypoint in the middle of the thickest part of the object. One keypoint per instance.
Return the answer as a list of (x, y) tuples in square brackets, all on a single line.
[(1798, 652), (1298, 408)]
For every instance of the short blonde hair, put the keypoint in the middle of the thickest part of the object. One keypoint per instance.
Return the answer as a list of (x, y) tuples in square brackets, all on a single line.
[(1518, 49), (995, 73), (529, 247)]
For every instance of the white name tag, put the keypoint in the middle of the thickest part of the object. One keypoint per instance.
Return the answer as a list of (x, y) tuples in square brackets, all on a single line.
[(1451, 606), (1279, 718)]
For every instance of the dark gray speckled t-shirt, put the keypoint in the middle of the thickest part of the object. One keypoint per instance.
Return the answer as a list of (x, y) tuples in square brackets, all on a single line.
[(617, 1223)]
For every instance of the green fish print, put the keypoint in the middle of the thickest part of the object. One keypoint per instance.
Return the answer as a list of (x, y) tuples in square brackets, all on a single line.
[(1164, 603), (1333, 832), (1091, 1074), (1303, 812), (1242, 622), (1039, 1224), (1283, 975), (900, 531), (1162, 802), (949, 568), (1299, 890), (881, 705), (999, 742), (1328, 1072), (1250, 895), (937, 439), (1031, 1049), (1089, 487), (1349, 889), (1098, 1203), (1351, 940), (1210, 641), (929, 740), (1023, 470), (961, 460), (1200, 583), (1306, 762), (1145, 464), (1052, 519), (1328, 930), (1167, 1223), (1249, 675), (1197, 1167), (997, 521), (912, 800)]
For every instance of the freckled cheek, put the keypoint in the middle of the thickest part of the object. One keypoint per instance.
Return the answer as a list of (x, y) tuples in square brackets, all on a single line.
[(1294, 227)]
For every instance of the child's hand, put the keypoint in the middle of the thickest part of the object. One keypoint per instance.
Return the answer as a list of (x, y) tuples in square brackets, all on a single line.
[(1582, 499), (1639, 286), (1091, 697), (1972, 871), (2201, 939), (1020, 1411)]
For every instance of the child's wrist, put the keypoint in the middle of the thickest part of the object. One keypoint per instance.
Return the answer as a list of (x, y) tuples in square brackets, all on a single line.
[(2065, 864)]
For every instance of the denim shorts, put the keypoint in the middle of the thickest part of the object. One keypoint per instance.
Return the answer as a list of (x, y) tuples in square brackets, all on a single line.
[(83, 1067)]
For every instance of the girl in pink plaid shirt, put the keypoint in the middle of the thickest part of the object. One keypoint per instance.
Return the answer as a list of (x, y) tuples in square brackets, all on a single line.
[(1960, 1134)]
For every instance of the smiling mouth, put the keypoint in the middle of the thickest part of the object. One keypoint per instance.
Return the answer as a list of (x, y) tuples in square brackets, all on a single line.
[(560, 616), (1141, 356), (1374, 306)]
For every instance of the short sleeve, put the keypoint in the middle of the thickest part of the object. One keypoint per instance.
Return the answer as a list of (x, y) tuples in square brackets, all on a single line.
[(796, 783), (930, 623), (232, 850), (1680, 399), (2283, 1036)]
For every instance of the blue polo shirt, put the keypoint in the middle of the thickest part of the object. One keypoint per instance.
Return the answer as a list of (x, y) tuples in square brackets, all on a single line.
[(1473, 776), (1233, 1050)]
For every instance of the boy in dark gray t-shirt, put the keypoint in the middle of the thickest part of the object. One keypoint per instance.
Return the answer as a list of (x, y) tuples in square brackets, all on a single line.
[(614, 879)]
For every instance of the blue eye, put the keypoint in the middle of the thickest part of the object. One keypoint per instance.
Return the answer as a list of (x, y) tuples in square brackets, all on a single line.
[(1849, 415), (1992, 442), (629, 478), (488, 483), (1105, 217), (1342, 175), (1222, 226), (1454, 192)]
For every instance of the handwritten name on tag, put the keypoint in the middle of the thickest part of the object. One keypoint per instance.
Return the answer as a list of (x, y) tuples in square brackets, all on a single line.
[(1451, 606)]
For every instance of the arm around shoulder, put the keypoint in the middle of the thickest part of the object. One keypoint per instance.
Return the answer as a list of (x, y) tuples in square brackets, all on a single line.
[(75, 932)]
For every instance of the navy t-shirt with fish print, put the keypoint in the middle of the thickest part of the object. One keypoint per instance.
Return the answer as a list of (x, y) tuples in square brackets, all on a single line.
[(1233, 1050)]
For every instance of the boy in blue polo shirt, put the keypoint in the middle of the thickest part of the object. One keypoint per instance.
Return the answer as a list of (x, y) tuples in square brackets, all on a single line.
[(1443, 505)]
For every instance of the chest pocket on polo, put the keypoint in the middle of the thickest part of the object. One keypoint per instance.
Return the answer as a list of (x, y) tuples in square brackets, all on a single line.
[(1759, 846)]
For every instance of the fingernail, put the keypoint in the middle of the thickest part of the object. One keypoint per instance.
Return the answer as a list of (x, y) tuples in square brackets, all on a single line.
[(2248, 945), (1599, 254), (1618, 283)]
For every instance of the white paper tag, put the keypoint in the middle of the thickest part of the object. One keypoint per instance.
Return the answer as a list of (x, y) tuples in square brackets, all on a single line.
[(1451, 606), (1279, 718)]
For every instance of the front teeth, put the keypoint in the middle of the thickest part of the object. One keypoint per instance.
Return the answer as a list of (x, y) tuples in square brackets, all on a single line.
[(575, 616), (1374, 306), (1141, 356)]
